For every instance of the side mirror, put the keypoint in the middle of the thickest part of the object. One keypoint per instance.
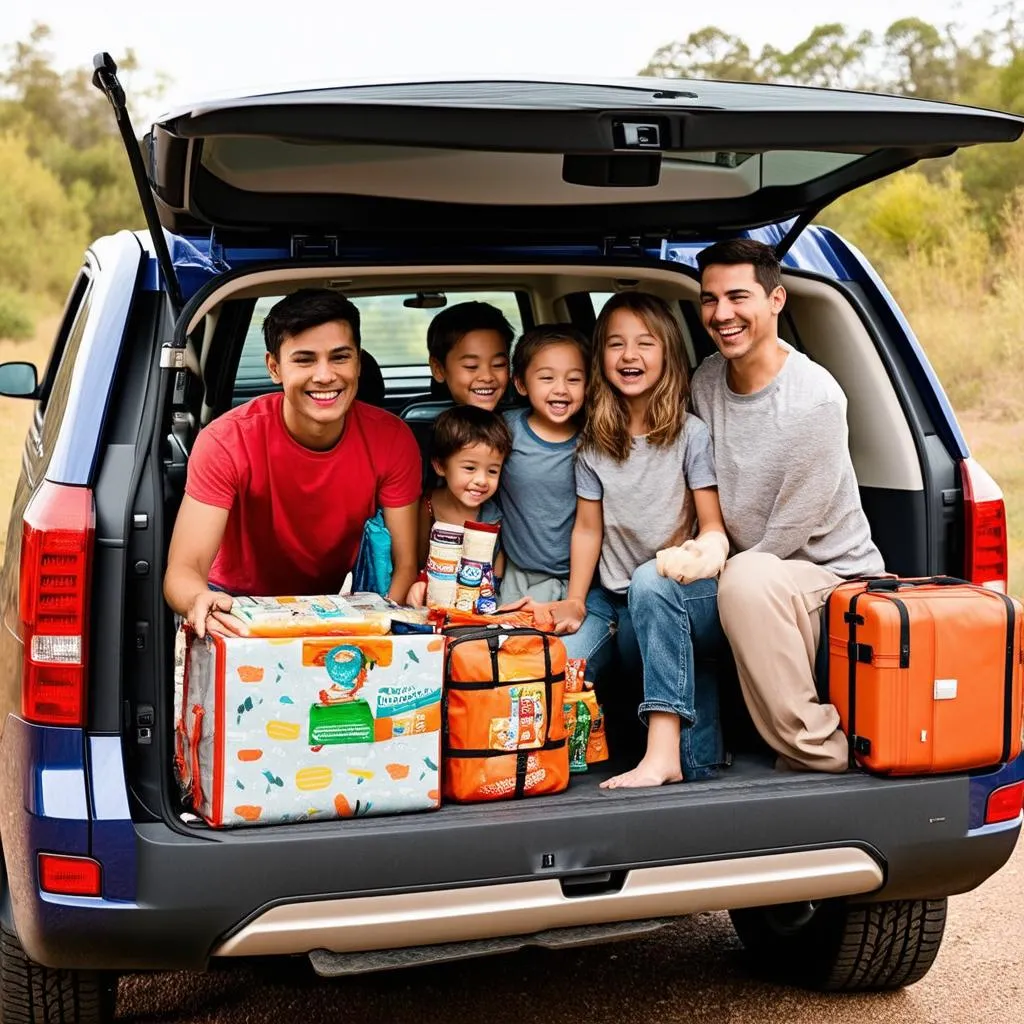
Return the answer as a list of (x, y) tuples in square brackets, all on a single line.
[(18, 380)]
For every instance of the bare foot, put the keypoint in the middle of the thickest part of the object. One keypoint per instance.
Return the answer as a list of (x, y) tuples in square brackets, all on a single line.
[(649, 772)]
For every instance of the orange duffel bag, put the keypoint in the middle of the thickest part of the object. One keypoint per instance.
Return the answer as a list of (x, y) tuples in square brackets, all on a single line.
[(504, 722), (925, 673)]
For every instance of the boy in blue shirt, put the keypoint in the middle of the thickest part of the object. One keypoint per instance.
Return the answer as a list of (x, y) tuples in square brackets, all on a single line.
[(537, 493)]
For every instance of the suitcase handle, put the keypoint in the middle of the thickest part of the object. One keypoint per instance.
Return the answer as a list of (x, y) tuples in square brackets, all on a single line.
[(891, 584)]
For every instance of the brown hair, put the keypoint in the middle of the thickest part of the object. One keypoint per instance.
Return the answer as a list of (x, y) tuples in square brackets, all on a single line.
[(734, 252), (607, 426), (538, 338), (466, 425)]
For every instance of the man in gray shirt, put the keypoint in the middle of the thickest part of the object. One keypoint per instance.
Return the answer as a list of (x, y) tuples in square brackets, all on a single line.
[(789, 499)]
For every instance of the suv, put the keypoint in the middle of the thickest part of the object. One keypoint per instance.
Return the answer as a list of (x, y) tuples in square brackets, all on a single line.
[(546, 197)]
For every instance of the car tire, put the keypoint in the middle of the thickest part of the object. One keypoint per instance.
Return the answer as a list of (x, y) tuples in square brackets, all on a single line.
[(33, 994), (841, 947)]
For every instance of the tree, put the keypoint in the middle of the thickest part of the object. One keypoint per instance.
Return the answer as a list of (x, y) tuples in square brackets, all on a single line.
[(707, 53), (828, 57), (68, 126)]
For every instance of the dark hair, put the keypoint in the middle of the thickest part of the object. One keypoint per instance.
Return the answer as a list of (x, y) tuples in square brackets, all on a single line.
[(465, 425), (451, 325), (303, 309), (736, 251), (540, 337)]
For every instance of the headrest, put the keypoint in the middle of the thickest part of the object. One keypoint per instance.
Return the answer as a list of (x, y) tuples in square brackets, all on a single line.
[(371, 380)]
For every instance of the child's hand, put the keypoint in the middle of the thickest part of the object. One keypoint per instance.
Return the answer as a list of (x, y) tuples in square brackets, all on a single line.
[(700, 559), (567, 616), (675, 563), (417, 596)]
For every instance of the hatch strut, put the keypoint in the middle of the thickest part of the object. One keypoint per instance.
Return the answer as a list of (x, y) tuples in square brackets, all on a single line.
[(104, 77), (786, 242)]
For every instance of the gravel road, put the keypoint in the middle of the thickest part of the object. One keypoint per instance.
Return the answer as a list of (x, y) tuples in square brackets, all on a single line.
[(692, 972)]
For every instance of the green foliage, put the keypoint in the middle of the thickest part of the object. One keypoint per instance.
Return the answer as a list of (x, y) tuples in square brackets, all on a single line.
[(68, 126), (909, 214), (15, 319), (43, 229)]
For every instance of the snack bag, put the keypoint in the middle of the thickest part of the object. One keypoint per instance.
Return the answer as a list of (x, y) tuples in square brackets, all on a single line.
[(504, 730), (584, 723)]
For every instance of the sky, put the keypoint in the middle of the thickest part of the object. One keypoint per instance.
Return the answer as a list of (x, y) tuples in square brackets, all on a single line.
[(224, 45)]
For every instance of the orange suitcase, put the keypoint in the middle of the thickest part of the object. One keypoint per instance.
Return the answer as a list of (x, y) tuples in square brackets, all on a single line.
[(503, 730), (925, 673)]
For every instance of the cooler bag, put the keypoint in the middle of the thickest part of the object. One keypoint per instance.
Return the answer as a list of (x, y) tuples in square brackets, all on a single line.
[(925, 673), (289, 729), (504, 724)]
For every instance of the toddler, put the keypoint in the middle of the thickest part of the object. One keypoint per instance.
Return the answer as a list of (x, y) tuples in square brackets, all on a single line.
[(470, 445)]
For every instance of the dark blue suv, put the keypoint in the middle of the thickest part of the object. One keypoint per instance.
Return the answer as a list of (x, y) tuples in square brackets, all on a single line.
[(545, 198)]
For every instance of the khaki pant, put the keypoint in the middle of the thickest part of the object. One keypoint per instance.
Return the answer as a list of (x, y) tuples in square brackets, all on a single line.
[(771, 613)]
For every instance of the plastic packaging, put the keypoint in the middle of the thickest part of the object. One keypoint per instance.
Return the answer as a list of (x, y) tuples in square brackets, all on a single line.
[(443, 560)]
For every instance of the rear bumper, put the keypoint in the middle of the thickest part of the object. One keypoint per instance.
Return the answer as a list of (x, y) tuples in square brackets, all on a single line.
[(364, 882)]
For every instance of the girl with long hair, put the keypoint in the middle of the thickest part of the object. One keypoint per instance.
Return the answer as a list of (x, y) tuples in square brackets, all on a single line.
[(649, 523)]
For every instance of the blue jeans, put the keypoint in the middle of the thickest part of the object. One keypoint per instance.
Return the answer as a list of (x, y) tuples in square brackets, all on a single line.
[(671, 631)]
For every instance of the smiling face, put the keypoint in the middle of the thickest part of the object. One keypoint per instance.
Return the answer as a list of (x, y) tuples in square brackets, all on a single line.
[(319, 371), (633, 359), (740, 316), (471, 473), (475, 369), (555, 382)]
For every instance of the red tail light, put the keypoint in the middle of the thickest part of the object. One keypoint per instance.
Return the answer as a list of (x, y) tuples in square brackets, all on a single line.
[(1004, 804), (986, 560), (69, 876), (56, 559)]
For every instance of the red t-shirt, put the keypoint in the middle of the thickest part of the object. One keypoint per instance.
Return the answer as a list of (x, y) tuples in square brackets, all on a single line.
[(296, 515)]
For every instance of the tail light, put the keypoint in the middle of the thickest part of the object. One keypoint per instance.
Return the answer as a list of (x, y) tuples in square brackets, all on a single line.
[(56, 559), (986, 560), (1005, 804), (69, 876)]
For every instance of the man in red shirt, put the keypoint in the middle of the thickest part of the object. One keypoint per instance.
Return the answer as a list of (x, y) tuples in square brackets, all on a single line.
[(278, 489)]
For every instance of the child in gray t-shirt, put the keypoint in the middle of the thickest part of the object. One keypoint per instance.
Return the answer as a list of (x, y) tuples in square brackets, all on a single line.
[(537, 494)]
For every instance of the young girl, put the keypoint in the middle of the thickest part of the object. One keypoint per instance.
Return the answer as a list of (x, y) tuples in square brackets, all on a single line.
[(468, 449), (537, 494), (647, 514)]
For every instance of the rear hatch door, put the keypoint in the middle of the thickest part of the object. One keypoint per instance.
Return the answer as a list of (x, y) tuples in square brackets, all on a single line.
[(507, 161)]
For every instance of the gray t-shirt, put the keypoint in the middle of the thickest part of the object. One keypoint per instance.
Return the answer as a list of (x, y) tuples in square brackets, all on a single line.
[(537, 496), (785, 477), (646, 500)]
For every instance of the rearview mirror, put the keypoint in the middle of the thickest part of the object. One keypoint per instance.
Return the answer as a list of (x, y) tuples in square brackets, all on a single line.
[(18, 380)]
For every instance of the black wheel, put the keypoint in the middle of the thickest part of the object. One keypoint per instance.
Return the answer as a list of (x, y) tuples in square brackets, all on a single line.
[(841, 947), (33, 994)]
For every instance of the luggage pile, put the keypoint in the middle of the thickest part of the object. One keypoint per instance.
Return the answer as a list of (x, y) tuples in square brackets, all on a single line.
[(337, 707)]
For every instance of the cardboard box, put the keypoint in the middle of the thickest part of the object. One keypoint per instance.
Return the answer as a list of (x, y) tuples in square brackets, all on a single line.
[(289, 729)]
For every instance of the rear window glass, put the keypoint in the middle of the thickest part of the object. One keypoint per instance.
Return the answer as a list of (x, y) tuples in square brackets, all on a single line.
[(395, 334)]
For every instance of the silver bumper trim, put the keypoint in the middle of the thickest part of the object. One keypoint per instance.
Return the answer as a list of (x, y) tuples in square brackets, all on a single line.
[(363, 923)]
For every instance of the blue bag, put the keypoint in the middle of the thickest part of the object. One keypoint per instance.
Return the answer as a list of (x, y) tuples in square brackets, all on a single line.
[(372, 571)]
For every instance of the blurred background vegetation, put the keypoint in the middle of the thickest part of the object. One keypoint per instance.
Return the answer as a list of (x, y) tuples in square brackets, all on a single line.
[(947, 236)]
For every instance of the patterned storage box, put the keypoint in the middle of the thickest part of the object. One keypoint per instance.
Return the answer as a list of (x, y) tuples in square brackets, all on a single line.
[(308, 728)]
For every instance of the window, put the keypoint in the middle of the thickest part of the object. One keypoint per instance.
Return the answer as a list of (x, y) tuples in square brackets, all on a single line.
[(395, 334)]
